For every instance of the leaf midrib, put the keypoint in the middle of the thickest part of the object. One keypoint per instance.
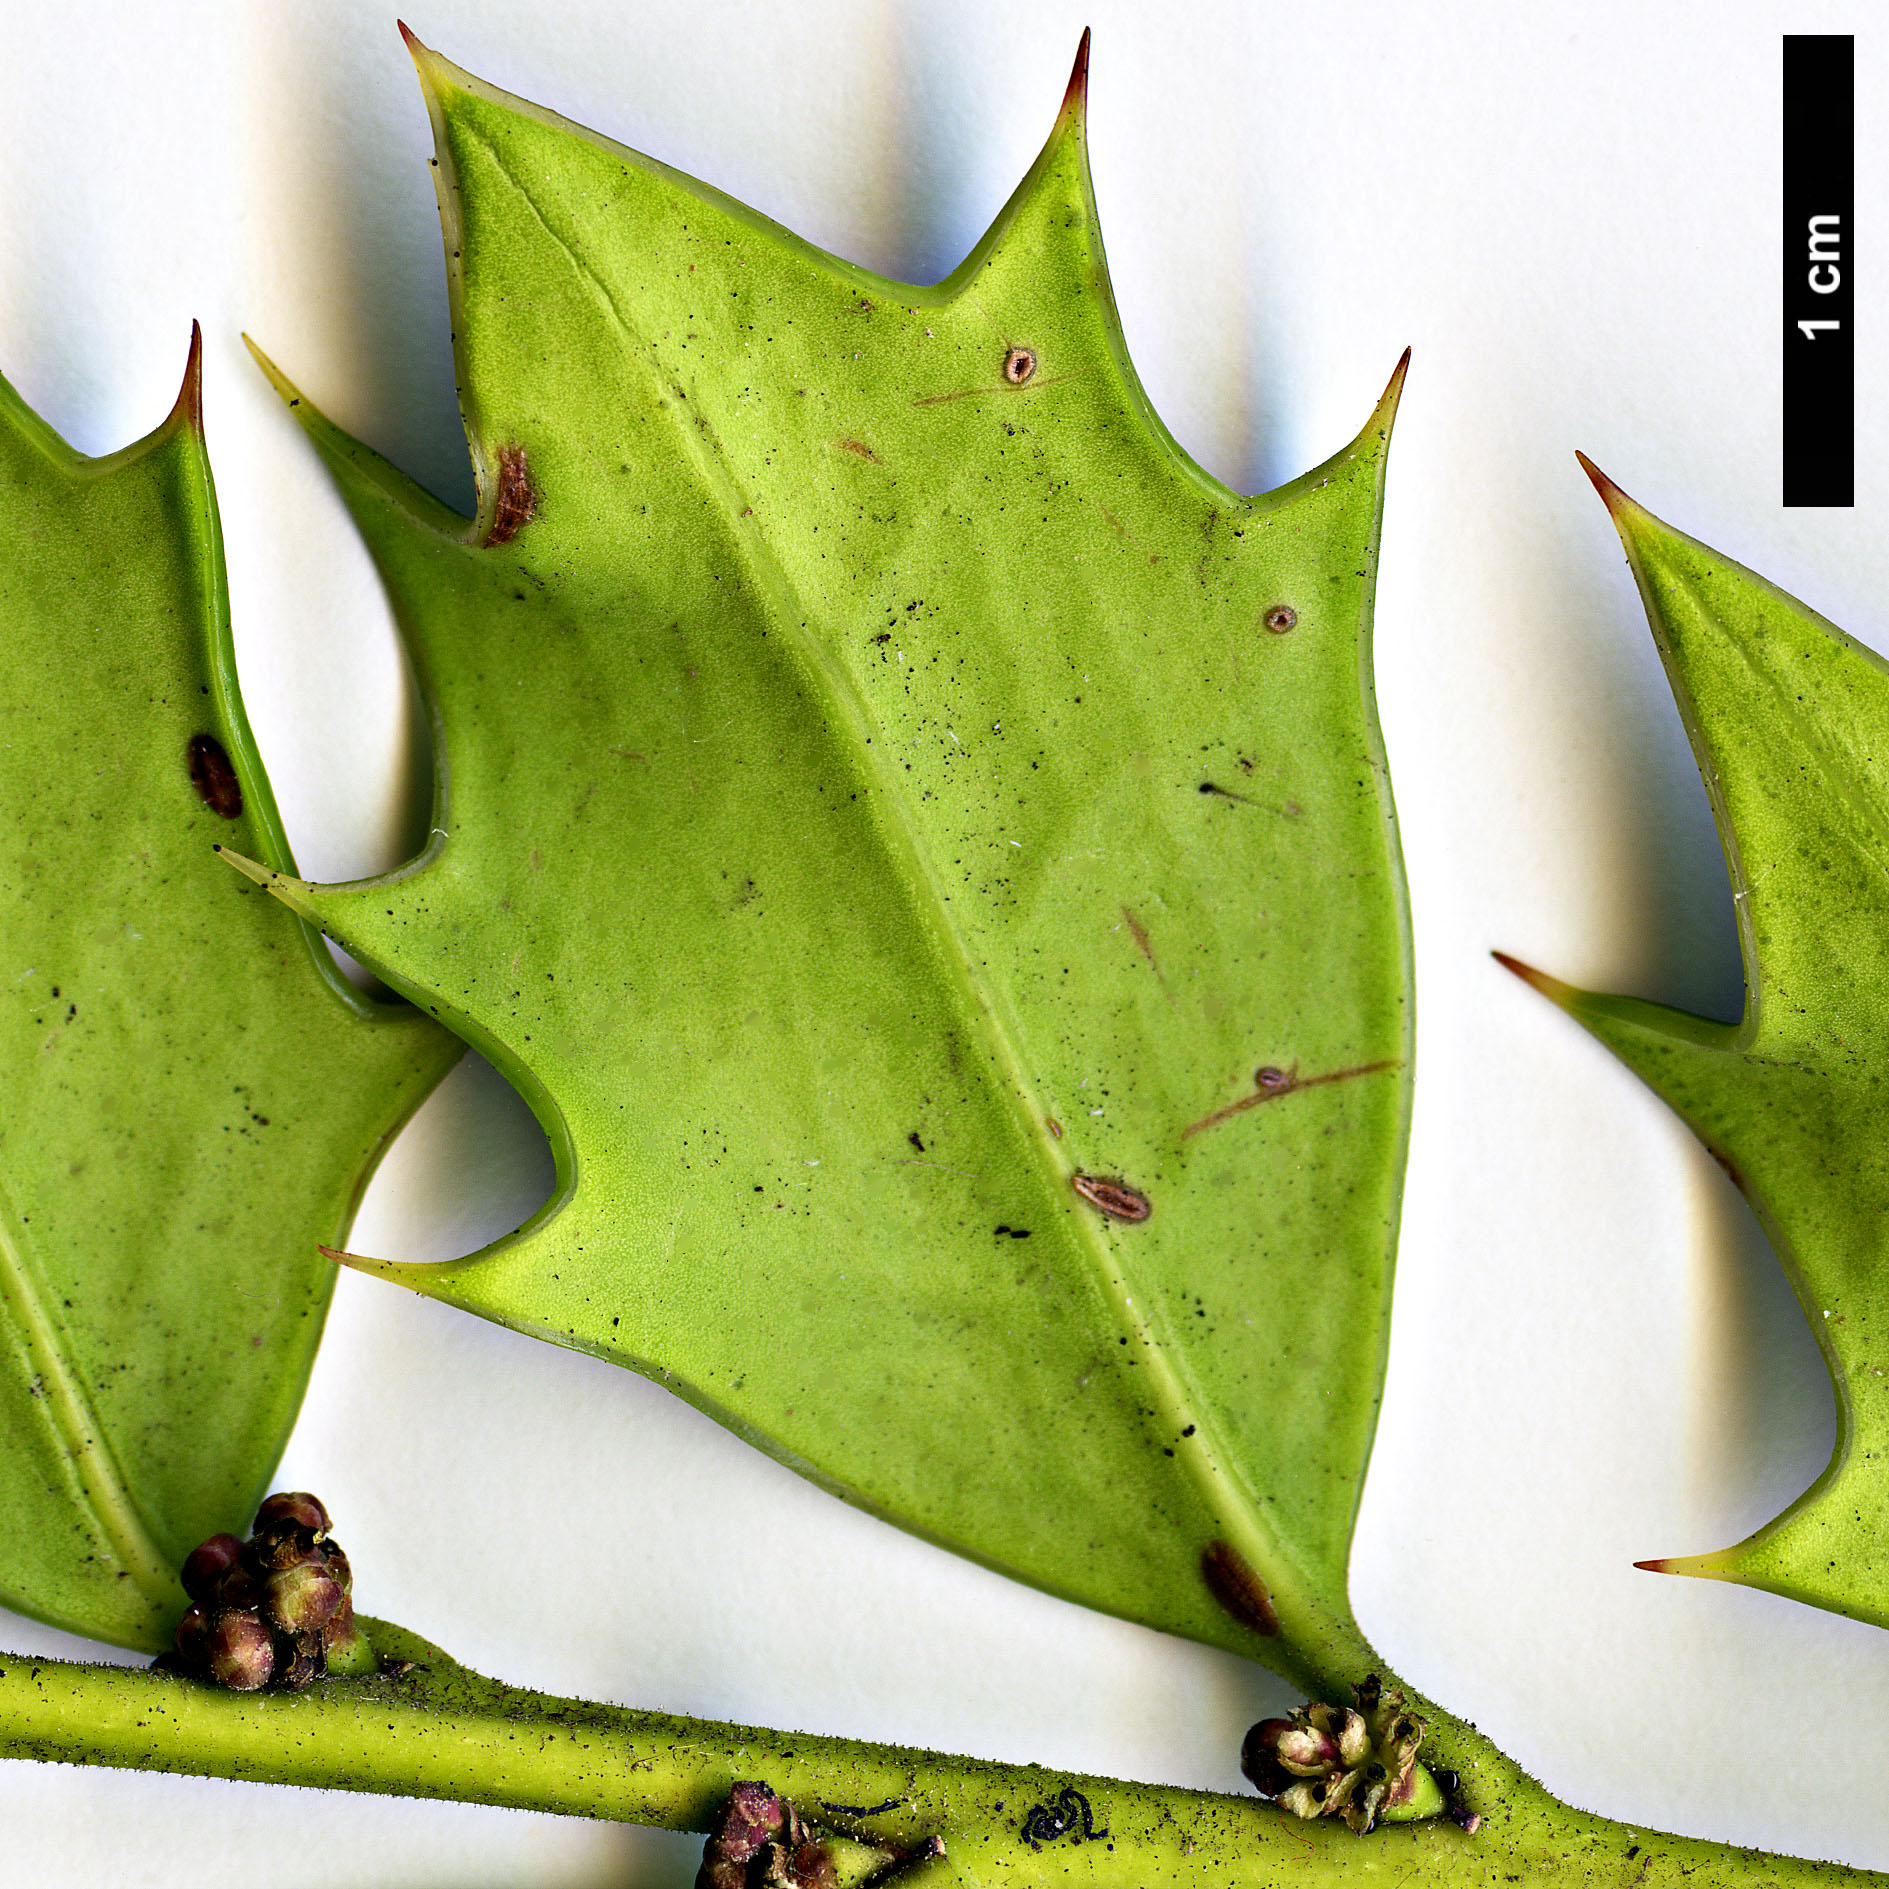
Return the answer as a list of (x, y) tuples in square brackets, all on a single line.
[(1187, 1430), (82, 1437)]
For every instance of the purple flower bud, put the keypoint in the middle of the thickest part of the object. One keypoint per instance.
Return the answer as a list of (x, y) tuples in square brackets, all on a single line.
[(192, 1642), (299, 1510), (749, 1821), (238, 1586), (811, 1867), (1259, 1756), (206, 1565), (241, 1653)]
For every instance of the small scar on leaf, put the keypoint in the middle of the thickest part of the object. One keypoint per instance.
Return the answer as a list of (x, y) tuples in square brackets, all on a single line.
[(1054, 1126), (213, 777), (1112, 1197), (1280, 618), (1019, 365), (1270, 1083), (517, 499), (1233, 1582), (860, 450), (914, 1140), (1225, 793), (1015, 1233)]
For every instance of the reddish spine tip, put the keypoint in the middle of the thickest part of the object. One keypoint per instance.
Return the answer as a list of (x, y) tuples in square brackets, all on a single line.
[(1610, 494), (1394, 387), (1526, 972), (189, 407), (1076, 97), (1655, 1567), (410, 36)]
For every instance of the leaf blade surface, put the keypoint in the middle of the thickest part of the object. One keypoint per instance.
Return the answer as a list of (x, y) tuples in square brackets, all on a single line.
[(876, 825), (194, 1098), (1788, 717)]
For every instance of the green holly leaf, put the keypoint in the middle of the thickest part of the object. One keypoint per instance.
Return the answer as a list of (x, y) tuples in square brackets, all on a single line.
[(1789, 719), (922, 847), (195, 1097)]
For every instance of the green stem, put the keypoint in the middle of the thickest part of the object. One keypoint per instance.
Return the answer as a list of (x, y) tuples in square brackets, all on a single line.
[(441, 1731)]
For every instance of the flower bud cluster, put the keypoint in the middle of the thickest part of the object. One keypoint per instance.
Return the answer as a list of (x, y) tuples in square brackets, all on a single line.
[(1358, 1763), (276, 1610), (759, 1842)]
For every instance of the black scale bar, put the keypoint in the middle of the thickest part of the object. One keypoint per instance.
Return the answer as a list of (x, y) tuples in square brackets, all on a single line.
[(1819, 293)]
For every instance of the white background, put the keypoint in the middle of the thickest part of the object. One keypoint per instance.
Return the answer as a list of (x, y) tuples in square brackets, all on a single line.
[(1571, 213)]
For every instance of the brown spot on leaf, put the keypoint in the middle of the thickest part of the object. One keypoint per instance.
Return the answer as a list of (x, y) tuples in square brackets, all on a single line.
[(1233, 1582), (1113, 1197), (1280, 618), (213, 777), (517, 500), (860, 450), (1019, 365)]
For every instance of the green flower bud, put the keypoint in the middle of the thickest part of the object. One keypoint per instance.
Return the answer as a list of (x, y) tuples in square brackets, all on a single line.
[(350, 1656), (303, 1598)]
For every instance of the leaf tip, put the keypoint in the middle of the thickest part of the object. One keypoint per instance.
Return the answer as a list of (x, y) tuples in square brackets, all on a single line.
[(188, 410), (273, 374), (429, 1281), (1076, 95), (1393, 393), (1718, 1566), (431, 67), (361, 1262), (281, 885), (249, 868), (1619, 506), (1550, 987)]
